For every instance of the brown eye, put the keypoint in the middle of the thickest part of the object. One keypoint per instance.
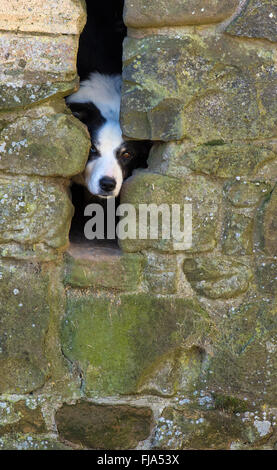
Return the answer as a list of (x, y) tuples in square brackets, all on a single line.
[(126, 155)]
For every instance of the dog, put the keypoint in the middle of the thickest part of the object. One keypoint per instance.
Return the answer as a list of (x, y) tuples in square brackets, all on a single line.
[(112, 158), (97, 102)]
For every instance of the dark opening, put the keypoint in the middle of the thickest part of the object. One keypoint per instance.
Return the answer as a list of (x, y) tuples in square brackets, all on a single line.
[(105, 24), (100, 49)]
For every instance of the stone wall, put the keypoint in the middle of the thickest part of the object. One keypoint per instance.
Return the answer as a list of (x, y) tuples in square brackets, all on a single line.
[(143, 347)]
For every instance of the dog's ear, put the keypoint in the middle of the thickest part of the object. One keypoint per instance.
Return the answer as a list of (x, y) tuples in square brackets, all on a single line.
[(86, 112)]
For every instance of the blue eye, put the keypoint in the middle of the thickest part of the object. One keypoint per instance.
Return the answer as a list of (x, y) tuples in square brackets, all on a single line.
[(93, 150)]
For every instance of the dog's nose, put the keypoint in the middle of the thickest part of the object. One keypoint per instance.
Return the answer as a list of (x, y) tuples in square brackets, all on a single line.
[(107, 183)]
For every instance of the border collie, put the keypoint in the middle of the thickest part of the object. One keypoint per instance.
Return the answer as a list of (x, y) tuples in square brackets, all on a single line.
[(111, 158), (97, 102)]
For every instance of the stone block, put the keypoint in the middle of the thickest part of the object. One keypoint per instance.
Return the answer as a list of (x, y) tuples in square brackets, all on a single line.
[(266, 273), (270, 224), (63, 17), (237, 237), (201, 430), (20, 416), (199, 87), (46, 144), (104, 426), (245, 193), (34, 68), (238, 160), (25, 314), (34, 211), (175, 372), (150, 188), (244, 363), (258, 19), (116, 340), (37, 252), (90, 266), (161, 273), (18, 441), (141, 13), (217, 277)]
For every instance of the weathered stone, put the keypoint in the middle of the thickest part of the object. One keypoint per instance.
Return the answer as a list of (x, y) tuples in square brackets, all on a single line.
[(213, 96), (245, 193), (169, 158), (133, 330), (270, 224), (201, 195), (217, 158), (244, 363), (217, 276), (104, 426), (108, 268), (64, 17), (34, 211), (19, 417), (18, 441), (173, 13), (267, 275), (237, 237), (161, 273), (33, 69), (28, 146), (227, 160), (23, 326), (38, 252), (217, 430), (174, 372), (257, 20)]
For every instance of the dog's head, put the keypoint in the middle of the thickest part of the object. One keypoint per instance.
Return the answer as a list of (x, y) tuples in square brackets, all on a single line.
[(111, 158)]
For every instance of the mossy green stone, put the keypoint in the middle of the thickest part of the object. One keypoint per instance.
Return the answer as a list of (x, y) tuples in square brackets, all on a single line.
[(103, 269), (18, 441), (246, 193), (174, 372), (34, 211), (266, 272), (237, 237), (49, 145), (161, 273), (25, 315), (194, 429), (201, 195), (270, 224), (244, 363), (116, 338), (203, 88), (217, 277), (223, 160)]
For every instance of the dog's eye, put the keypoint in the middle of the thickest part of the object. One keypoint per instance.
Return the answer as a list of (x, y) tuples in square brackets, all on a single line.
[(93, 150), (126, 155)]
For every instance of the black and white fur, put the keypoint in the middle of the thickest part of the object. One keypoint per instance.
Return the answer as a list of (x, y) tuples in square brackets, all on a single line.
[(111, 158), (97, 102)]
